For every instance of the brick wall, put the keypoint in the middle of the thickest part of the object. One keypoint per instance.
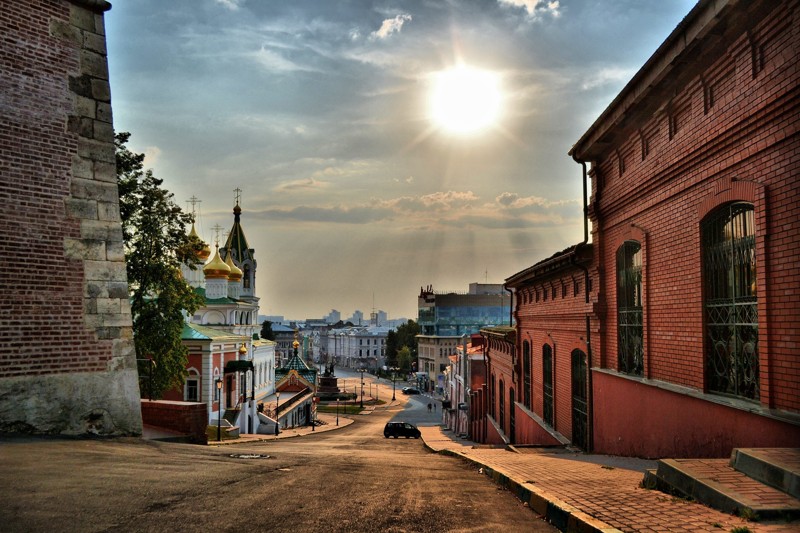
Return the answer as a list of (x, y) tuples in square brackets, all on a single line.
[(67, 363), (729, 132), (551, 311)]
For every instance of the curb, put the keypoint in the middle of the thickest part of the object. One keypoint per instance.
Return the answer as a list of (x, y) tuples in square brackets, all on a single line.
[(560, 514)]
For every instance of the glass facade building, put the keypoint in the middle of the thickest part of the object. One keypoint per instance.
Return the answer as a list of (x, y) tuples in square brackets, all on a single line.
[(454, 314)]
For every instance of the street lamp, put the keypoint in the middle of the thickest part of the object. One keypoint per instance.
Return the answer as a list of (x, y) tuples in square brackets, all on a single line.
[(337, 410), (277, 418), (362, 370), (219, 408), (394, 379)]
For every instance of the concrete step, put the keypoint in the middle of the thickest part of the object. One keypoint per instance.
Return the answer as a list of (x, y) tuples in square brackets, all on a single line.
[(715, 483), (777, 467)]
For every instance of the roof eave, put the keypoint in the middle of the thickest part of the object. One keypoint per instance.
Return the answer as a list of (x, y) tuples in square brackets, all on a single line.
[(697, 23)]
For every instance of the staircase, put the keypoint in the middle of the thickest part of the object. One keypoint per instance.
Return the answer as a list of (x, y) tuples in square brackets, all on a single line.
[(755, 483)]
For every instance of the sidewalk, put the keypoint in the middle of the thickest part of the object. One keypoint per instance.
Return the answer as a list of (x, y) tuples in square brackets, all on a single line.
[(580, 492), (330, 425)]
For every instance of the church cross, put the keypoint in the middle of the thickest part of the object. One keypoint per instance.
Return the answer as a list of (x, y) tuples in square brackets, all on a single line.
[(194, 201), (217, 229)]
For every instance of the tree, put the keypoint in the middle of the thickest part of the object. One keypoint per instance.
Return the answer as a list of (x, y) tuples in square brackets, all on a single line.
[(404, 359), (406, 335), (266, 331), (156, 244), (391, 348)]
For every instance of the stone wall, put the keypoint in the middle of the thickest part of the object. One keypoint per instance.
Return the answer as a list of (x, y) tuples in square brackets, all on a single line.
[(67, 362)]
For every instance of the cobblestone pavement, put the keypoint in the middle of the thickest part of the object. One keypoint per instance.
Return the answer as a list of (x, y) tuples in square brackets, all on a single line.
[(578, 495)]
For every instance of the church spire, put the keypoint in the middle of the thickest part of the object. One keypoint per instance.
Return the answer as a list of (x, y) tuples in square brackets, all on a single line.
[(237, 248)]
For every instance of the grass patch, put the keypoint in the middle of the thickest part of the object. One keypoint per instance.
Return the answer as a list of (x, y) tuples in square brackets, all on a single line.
[(344, 409), (748, 514)]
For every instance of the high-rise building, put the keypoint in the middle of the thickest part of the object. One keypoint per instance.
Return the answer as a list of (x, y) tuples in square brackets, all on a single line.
[(333, 317), (446, 318), (455, 314)]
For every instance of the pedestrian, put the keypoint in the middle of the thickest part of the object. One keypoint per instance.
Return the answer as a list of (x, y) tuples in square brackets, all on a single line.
[(429, 408), (434, 407)]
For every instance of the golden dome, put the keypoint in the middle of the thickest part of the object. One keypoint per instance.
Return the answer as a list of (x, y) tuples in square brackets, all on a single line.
[(216, 268), (203, 254), (236, 273)]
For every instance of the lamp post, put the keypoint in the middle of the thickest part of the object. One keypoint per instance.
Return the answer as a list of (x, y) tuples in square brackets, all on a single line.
[(277, 418), (219, 408), (337, 410), (394, 379), (362, 370)]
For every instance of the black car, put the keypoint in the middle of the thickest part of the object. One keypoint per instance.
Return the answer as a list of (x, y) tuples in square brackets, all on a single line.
[(410, 390), (401, 429)]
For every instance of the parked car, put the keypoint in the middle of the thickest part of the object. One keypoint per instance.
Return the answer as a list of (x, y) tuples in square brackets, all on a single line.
[(401, 429), (410, 390)]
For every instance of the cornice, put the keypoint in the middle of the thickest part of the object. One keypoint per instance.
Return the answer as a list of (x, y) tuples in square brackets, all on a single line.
[(98, 6)]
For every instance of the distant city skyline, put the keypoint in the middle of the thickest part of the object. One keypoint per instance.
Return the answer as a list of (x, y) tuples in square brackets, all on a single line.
[(380, 147)]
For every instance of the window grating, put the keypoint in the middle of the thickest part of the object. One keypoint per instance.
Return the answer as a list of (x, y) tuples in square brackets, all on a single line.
[(731, 303), (630, 348), (526, 374), (547, 364)]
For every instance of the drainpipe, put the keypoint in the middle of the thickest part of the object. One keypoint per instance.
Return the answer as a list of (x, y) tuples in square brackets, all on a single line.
[(590, 396), (510, 305)]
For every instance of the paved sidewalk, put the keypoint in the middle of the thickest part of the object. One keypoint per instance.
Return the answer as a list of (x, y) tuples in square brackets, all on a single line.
[(579, 492), (330, 425)]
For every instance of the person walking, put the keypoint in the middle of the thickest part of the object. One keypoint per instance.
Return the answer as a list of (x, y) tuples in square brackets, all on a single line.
[(429, 407), (434, 407)]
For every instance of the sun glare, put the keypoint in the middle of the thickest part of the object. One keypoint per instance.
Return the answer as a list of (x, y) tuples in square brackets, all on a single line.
[(465, 100)]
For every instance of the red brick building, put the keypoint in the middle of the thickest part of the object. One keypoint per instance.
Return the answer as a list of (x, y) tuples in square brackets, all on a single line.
[(691, 326), (694, 210), (556, 322), (67, 362)]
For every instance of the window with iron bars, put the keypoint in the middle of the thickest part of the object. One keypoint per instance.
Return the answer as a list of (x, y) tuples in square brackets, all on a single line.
[(630, 350), (730, 301)]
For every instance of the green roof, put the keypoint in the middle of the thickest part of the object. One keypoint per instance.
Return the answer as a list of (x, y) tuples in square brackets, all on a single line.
[(295, 363), (196, 332), (213, 301)]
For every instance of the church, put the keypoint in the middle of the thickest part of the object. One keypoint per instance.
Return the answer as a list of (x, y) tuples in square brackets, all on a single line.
[(229, 368)]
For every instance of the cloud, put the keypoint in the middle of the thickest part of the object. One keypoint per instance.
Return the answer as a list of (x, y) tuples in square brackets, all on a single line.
[(151, 154), (513, 200), (390, 26), (445, 200), (407, 179), (605, 76), (536, 8), (233, 5), (334, 215), (302, 184), (275, 62)]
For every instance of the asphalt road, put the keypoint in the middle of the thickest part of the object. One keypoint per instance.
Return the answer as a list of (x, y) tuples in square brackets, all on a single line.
[(347, 480)]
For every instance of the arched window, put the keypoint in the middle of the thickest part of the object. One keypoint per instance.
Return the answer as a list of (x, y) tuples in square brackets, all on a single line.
[(630, 351), (246, 277), (526, 374), (547, 385), (502, 407), (493, 395), (730, 300), (191, 391)]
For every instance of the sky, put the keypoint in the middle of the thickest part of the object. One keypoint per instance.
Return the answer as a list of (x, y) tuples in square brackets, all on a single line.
[(366, 170)]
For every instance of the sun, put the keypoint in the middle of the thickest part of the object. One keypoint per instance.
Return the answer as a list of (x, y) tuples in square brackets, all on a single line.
[(465, 100)]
